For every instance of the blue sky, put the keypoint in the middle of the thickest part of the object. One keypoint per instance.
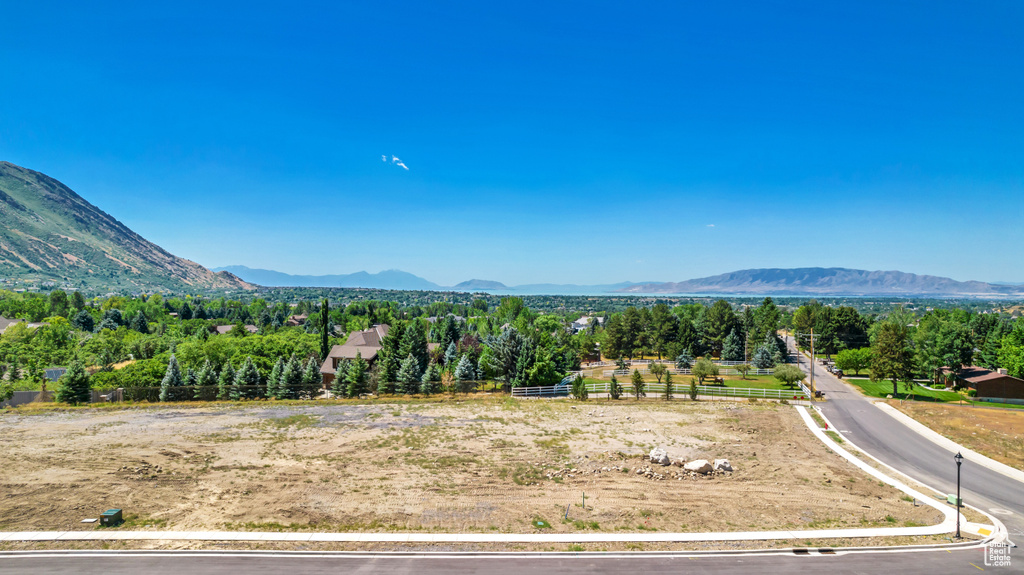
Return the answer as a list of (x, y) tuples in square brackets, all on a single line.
[(569, 142)]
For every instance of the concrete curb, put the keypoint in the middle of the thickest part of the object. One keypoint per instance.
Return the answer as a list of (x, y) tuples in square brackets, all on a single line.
[(946, 443), (484, 554)]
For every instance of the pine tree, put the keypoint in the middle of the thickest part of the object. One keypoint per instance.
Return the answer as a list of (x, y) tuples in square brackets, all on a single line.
[(579, 388), (668, 387), (764, 358), (449, 333), (205, 379), (275, 378), (638, 385), (414, 343), (693, 389), (107, 323), (409, 375), (190, 378), (325, 329), (114, 315), (83, 321), (340, 383), (186, 312), (247, 380), (77, 300), (614, 389), (140, 323), (732, 347), (225, 381), (450, 354), (464, 370), (357, 377), (291, 379), (172, 379), (311, 375), (684, 360), (431, 378), (74, 385)]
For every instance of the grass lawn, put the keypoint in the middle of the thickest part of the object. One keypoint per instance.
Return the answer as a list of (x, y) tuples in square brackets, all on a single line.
[(884, 388)]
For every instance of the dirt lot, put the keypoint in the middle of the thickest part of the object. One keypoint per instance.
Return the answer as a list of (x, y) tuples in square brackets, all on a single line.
[(487, 465), (997, 433)]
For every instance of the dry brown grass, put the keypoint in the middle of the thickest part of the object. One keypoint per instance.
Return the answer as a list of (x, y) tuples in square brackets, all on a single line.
[(482, 465), (996, 433)]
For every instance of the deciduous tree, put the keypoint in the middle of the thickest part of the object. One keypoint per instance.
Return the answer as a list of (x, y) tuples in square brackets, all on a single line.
[(703, 369), (891, 356), (854, 360)]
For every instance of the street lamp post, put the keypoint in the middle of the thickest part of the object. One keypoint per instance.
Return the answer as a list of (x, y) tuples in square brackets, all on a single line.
[(959, 459)]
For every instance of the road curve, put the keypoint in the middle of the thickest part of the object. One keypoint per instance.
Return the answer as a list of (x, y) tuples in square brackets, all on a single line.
[(890, 441)]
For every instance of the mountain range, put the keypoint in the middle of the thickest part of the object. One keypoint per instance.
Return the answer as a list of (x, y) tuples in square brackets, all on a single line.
[(827, 281), (387, 279), (771, 281), (50, 233)]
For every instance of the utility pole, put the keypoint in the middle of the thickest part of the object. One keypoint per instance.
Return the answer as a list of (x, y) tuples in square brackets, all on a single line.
[(812, 364), (795, 340)]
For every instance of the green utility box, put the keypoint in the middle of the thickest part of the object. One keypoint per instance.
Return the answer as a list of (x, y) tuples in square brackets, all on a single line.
[(111, 517), (951, 499)]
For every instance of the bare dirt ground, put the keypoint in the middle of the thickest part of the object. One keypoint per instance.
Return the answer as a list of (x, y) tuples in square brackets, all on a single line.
[(480, 465), (996, 433)]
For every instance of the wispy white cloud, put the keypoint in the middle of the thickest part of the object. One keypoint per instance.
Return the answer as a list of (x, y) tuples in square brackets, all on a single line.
[(711, 225), (395, 161)]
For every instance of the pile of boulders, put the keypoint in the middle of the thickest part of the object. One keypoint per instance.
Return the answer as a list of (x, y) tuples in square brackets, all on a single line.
[(691, 469)]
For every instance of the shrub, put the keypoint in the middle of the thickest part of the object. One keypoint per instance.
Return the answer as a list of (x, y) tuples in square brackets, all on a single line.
[(579, 388)]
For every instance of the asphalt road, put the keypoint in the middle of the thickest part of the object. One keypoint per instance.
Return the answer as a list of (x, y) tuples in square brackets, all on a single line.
[(925, 563), (890, 441)]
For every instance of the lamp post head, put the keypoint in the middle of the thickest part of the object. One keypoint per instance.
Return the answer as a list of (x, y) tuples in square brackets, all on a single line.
[(958, 458)]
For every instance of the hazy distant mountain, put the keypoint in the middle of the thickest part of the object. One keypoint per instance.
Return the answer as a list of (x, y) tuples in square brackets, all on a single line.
[(399, 280), (827, 281), (388, 279), (479, 285), (572, 289), (50, 233)]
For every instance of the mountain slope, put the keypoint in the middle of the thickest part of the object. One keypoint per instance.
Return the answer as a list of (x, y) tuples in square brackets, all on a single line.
[(474, 285), (826, 281), (387, 279), (49, 232)]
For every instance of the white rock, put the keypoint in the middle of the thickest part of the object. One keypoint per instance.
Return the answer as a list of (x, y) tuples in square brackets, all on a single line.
[(722, 465), (699, 466), (659, 456)]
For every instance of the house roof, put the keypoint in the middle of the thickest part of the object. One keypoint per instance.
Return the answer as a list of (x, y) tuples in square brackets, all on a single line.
[(975, 374), (365, 343), (347, 351), (223, 329), (368, 337), (6, 323), (54, 373)]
